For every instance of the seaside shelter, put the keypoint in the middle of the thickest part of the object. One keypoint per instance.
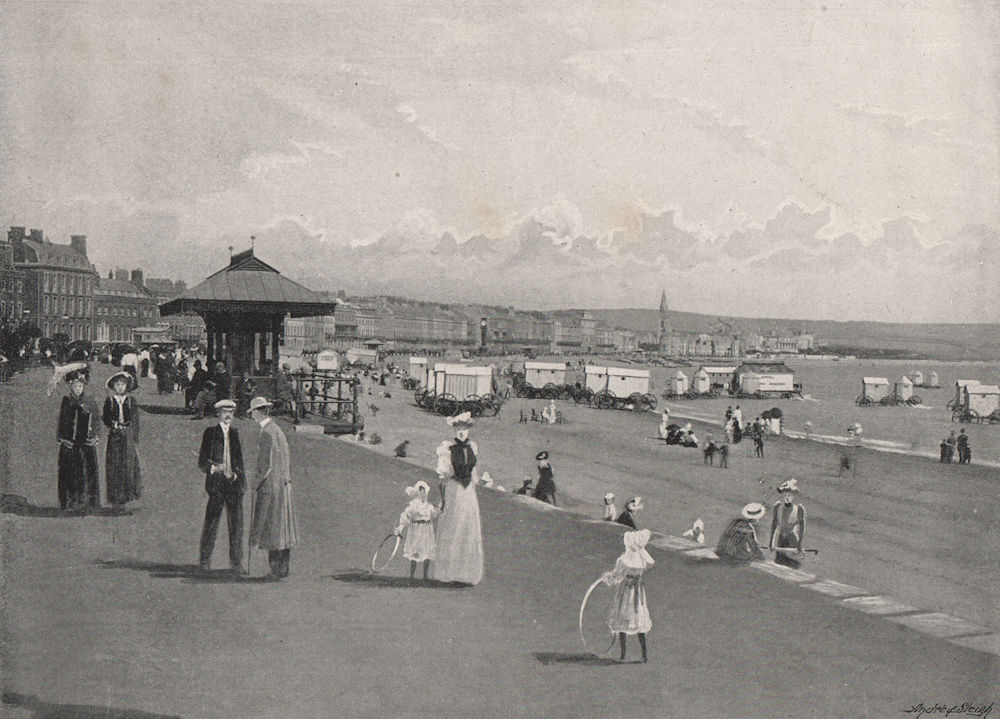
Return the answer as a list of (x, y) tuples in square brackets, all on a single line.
[(719, 377), (539, 374), (904, 388), (982, 398), (960, 386), (620, 381), (244, 305), (460, 380), (701, 382), (763, 377), (874, 388), (932, 380), (418, 368), (679, 383), (917, 377)]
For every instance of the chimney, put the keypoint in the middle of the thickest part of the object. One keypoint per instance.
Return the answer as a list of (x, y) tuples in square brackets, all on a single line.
[(79, 243), (111, 275), (37, 236), (16, 237), (137, 279), (121, 274)]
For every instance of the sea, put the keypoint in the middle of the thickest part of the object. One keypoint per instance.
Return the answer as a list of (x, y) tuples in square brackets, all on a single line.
[(827, 407), (829, 391)]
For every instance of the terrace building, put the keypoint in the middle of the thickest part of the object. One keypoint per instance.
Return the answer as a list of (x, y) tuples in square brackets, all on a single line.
[(59, 283), (11, 287), (121, 304)]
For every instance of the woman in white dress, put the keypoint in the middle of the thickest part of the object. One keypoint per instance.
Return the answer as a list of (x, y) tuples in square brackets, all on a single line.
[(460, 539)]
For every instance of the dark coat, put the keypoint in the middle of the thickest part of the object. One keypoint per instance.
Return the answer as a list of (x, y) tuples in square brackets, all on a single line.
[(212, 452)]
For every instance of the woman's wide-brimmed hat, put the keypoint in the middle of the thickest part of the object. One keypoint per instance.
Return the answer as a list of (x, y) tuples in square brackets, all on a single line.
[(634, 504), (790, 485), (130, 382), (461, 420), (75, 371), (754, 510), (609, 496), (541, 455)]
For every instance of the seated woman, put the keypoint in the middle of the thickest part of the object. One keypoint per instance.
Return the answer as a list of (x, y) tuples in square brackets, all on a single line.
[(738, 542)]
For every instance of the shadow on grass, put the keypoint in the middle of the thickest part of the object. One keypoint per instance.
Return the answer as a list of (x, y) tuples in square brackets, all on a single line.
[(16, 504), (187, 573), (165, 409), (584, 658), (48, 710), (363, 576)]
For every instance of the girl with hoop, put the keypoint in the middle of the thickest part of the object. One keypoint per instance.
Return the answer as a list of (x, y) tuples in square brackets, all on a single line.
[(629, 613), (419, 517)]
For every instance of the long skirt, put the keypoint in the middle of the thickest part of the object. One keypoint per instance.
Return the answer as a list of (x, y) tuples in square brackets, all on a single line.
[(122, 468), (629, 612), (787, 539), (460, 536), (78, 477)]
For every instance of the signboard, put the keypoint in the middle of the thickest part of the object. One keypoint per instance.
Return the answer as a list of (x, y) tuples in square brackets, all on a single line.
[(328, 359), (774, 383)]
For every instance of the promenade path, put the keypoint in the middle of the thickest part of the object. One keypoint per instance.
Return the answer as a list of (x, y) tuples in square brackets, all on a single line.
[(105, 616)]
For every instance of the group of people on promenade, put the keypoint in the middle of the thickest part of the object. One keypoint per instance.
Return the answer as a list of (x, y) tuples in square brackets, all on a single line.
[(78, 432), (273, 519), (956, 444)]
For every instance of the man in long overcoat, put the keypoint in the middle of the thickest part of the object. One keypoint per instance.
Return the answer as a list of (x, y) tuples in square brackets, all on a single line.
[(221, 458), (273, 526)]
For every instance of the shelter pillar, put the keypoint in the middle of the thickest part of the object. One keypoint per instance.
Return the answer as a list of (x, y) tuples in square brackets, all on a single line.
[(262, 341), (210, 330), (276, 321)]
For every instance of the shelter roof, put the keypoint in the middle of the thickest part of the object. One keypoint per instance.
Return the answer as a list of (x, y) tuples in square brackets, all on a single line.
[(248, 284), (982, 389), (875, 380), (766, 367)]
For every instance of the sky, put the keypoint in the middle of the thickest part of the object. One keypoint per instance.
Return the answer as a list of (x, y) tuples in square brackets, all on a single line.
[(809, 160)]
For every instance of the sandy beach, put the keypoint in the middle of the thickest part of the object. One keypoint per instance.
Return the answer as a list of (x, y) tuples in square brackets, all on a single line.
[(905, 525)]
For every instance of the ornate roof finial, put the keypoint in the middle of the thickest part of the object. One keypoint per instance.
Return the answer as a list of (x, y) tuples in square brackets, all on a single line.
[(252, 238), (230, 252)]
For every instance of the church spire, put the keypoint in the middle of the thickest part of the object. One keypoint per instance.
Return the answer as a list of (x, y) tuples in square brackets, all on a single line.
[(663, 302)]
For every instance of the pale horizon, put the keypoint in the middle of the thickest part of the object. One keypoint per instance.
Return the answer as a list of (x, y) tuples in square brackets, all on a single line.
[(807, 163)]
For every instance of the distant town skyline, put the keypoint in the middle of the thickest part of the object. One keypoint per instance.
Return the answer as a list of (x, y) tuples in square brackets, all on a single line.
[(807, 162)]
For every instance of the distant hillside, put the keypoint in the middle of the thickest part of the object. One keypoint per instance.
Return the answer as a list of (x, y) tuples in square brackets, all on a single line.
[(931, 341)]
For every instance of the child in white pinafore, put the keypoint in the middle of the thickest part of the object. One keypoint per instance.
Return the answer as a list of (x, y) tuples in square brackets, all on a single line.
[(629, 613), (419, 516)]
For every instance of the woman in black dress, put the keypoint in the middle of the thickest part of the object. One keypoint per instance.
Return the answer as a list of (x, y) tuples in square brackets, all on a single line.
[(121, 417)]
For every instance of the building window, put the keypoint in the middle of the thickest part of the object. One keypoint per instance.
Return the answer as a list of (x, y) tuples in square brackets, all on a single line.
[(45, 304), (46, 329), (45, 282)]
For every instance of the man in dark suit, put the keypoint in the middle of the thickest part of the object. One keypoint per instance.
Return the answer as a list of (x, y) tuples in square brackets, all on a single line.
[(221, 458)]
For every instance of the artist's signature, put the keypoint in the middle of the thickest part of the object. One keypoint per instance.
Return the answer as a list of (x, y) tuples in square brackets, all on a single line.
[(964, 709)]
